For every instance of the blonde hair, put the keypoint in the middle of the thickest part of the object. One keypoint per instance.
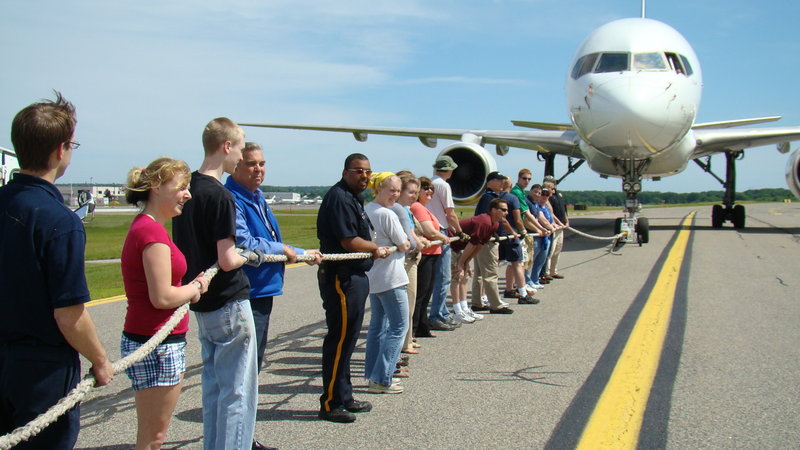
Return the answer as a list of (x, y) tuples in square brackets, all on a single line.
[(379, 180), (219, 131), (158, 172)]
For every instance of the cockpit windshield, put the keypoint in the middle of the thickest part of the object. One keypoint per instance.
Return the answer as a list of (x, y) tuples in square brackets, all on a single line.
[(613, 62), (621, 62), (649, 61)]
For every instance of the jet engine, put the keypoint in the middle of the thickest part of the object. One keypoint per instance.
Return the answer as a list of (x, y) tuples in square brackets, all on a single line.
[(793, 173), (469, 179)]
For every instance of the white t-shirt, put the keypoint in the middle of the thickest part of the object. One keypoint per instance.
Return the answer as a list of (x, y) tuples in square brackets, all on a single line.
[(386, 273), (442, 199)]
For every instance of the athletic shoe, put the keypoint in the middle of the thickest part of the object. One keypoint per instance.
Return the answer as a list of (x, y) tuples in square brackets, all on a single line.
[(504, 304), (536, 286), (480, 308), (473, 314), (557, 276), (510, 294), (485, 300), (531, 290), (502, 311), (464, 318), (528, 300), (375, 388)]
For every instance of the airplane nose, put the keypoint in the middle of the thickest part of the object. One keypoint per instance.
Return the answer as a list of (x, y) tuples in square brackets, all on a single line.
[(635, 115)]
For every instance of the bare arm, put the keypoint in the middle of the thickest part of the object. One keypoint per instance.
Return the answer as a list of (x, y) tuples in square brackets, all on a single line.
[(227, 257), (452, 220), (158, 273), (78, 329), (432, 233), (357, 244)]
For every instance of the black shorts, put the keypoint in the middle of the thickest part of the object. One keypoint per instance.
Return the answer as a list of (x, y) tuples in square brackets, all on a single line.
[(510, 250)]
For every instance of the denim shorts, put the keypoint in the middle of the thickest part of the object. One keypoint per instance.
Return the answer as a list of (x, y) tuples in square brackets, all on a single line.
[(161, 367)]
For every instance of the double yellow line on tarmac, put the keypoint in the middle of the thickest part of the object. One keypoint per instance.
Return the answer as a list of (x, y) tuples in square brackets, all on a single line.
[(619, 412)]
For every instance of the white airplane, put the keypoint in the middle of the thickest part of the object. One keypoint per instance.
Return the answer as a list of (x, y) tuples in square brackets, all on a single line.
[(633, 91), (271, 200)]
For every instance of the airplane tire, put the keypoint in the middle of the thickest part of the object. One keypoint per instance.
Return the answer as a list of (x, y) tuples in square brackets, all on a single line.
[(617, 225), (643, 230), (717, 216), (738, 216)]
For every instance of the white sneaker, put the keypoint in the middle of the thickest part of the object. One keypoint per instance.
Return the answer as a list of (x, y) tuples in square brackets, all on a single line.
[(531, 290), (464, 318), (376, 388), (536, 286), (504, 304), (473, 314), (485, 300)]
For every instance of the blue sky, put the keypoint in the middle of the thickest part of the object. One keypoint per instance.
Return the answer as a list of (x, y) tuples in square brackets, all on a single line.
[(146, 76)]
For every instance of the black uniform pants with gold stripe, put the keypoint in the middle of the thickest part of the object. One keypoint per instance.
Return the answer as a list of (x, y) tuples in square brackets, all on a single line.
[(344, 294)]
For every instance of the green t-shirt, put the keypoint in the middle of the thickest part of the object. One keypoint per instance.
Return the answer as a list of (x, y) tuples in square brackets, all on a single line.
[(520, 194)]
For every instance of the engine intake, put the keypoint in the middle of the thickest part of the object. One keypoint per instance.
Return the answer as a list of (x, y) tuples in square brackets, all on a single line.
[(793, 173), (469, 179)]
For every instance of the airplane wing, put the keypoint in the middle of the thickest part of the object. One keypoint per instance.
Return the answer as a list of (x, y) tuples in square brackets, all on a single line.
[(712, 140), (556, 140)]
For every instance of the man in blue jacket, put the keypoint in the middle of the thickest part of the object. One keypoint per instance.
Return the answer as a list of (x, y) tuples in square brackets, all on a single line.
[(257, 228)]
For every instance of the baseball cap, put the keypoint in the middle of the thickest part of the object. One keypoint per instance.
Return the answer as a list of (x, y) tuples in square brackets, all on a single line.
[(445, 162), (495, 176)]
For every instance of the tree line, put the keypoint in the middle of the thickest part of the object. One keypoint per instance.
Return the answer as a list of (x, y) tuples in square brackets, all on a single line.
[(610, 198)]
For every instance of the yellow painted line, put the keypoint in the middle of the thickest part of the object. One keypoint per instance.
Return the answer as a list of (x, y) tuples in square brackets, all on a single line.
[(617, 417), (103, 301), (116, 298)]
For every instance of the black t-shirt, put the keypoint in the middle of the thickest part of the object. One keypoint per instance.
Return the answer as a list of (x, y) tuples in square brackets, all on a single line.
[(559, 207), (208, 217), (341, 215)]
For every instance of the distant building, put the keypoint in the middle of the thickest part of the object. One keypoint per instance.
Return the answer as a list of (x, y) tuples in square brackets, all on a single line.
[(290, 198), (103, 194), (9, 165)]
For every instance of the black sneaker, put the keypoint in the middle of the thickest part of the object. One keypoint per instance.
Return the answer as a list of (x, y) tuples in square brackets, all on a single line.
[(528, 300), (510, 294), (502, 311), (479, 308), (358, 407), (340, 415)]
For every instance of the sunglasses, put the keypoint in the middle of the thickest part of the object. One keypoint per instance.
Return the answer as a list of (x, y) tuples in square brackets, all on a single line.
[(360, 171)]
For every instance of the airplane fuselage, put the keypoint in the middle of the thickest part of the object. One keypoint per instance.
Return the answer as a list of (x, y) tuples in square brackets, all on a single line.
[(633, 92)]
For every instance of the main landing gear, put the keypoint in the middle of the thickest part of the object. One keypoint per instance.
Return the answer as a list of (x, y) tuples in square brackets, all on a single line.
[(727, 212)]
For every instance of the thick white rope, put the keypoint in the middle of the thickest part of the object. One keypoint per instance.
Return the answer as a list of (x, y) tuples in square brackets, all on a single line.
[(599, 238)]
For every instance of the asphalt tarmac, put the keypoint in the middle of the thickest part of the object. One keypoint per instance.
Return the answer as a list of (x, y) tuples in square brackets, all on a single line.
[(726, 372)]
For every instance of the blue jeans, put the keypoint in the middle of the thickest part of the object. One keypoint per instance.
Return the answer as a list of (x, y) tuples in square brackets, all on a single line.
[(387, 331), (541, 247), (441, 284), (262, 308), (230, 377)]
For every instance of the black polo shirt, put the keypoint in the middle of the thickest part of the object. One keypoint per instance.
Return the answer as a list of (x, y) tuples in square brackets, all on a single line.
[(42, 246), (341, 215), (208, 217)]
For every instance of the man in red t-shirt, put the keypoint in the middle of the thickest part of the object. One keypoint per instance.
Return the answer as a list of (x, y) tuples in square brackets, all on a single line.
[(480, 229)]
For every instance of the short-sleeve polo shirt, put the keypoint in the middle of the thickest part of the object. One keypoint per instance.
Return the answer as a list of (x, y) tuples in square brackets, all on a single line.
[(341, 215), (42, 245)]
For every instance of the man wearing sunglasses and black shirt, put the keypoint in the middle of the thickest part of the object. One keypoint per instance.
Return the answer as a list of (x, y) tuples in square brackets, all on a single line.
[(343, 227)]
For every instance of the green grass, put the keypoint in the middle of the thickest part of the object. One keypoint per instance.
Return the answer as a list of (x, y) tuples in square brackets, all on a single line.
[(104, 280)]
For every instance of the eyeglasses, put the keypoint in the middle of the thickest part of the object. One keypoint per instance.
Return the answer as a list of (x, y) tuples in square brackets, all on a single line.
[(503, 209), (360, 171), (427, 188), (526, 178), (73, 145)]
